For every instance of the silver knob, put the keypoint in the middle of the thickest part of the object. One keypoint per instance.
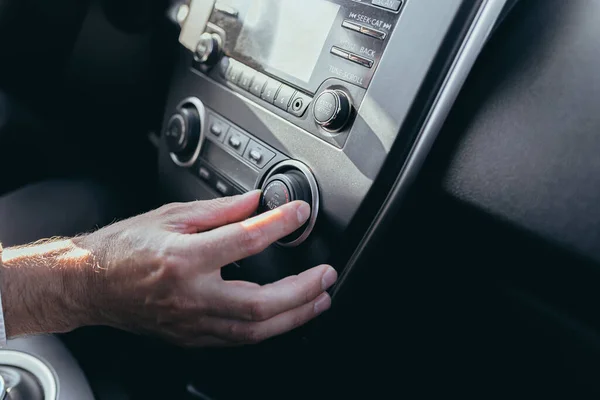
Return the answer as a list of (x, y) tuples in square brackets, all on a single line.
[(208, 49)]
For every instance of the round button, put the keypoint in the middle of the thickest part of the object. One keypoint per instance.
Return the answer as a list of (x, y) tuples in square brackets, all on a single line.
[(332, 110), (275, 195), (326, 107), (290, 183)]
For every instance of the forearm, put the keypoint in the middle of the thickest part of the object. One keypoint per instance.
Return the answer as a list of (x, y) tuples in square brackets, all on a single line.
[(46, 287)]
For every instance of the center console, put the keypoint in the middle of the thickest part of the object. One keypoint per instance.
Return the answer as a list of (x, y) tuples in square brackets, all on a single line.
[(318, 100)]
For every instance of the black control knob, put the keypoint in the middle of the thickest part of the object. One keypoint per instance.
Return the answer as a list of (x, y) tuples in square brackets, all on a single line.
[(285, 188), (183, 132), (332, 110), (208, 49), (290, 181)]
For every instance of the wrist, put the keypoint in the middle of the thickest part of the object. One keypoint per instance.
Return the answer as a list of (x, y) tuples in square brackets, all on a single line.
[(46, 287)]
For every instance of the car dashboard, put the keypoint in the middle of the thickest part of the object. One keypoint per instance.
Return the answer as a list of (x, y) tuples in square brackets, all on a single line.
[(309, 101), (447, 150)]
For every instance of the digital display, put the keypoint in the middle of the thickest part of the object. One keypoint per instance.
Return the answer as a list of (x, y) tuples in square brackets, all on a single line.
[(286, 35)]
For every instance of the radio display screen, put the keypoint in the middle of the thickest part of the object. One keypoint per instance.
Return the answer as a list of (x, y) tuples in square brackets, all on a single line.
[(285, 35)]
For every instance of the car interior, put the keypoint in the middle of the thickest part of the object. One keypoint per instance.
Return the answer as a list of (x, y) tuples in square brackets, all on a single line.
[(448, 150)]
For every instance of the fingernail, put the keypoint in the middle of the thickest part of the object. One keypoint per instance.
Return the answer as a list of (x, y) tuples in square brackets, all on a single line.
[(252, 192), (303, 212), (322, 303), (329, 278)]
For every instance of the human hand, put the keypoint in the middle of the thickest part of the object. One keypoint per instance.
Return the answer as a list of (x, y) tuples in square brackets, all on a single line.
[(159, 273)]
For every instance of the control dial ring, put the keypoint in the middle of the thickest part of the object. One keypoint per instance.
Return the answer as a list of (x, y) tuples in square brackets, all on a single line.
[(194, 104), (288, 181)]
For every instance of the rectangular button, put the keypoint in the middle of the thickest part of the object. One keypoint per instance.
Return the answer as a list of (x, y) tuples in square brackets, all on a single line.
[(299, 104), (365, 30), (393, 5), (258, 84), (224, 66), (204, 173), (218, 128), (237, 141), (365, 62), (246, 78), (222, 188), (284, 97), (258, 155), (336, 51), (351, 25), (270, 91), (234, 72)]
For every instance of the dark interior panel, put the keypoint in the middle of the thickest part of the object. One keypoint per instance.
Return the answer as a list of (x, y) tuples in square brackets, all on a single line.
[(528, 116), (508, 201)]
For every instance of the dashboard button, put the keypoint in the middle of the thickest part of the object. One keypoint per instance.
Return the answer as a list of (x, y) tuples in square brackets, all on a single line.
[(270, 91), (392, 5), (258, 155), (284, 96), (336, 51), (299, 104), (234, 72), (258, 84), (218, 129), (325, 107), (332, 110), (204, 173), (288, 181), (276, 194), (224, 66), (365, 30), (222, 188), (237, 141), (351, 25), (365, 62), (246, 78)]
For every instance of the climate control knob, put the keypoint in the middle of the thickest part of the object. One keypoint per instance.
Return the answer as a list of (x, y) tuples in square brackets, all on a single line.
[(183, 132), (332, 110), (208, 49), (290, 181), (284, 188)]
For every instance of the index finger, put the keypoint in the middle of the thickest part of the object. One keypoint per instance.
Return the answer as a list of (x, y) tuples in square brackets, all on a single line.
[(233, 242)]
